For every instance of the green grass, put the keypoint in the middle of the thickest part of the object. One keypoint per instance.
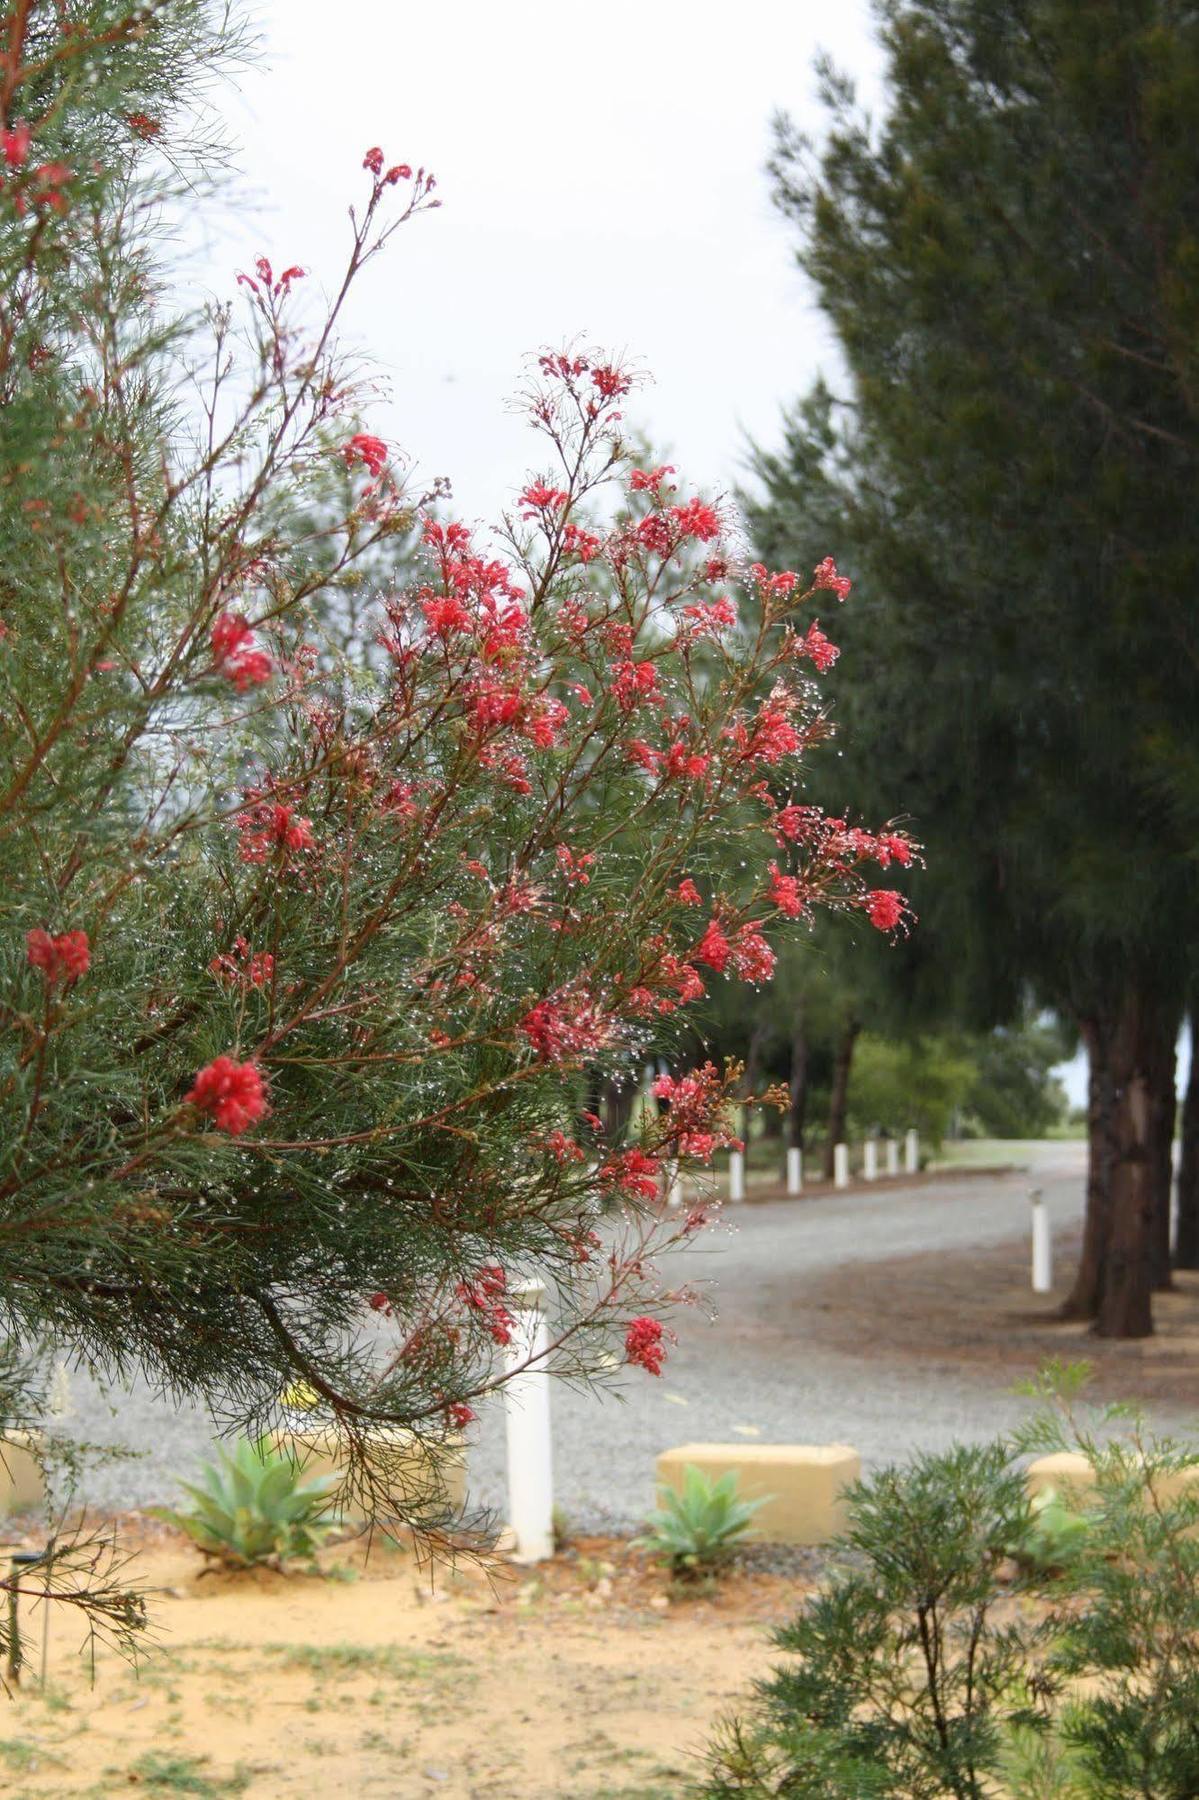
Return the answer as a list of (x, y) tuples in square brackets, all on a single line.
[(20, 1753), (386, 1659), (166, 1774)]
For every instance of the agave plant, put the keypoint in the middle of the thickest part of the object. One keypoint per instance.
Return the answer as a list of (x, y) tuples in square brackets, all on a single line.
[(697, 1530), (252, 1507)]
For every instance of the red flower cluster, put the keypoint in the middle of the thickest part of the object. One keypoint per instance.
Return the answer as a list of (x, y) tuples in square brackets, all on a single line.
[(885, 908), (266, 276), (566, 1025), (633, 1171), (825, 576), (643, 1345), (538, 499), (269, 831), (15, 144), (695, 1125), (482, 1293), (235, 653), (373, 160), (817, 648), (62, 958), (364, 448), (785, 893), (249, 969), (233, 1093)]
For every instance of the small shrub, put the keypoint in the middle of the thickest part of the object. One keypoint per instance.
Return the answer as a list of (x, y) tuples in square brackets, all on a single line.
[(696, 1531), (902, 1677), (913, 1676), (252, 1507), (1055, 1537)]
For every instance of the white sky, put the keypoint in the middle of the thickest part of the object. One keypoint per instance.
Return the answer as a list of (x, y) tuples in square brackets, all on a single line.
[(601, 171)]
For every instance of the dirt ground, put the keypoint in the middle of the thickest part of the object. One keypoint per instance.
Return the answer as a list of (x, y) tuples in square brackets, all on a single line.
[(959, 1309), (586, 1679)]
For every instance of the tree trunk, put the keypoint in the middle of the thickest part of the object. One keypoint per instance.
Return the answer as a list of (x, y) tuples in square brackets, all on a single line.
[(797, 1116), (752, 1075), (1083, 1300), (1186, 1244), (1126, 1301), (1164, 1101), (839, 1098)]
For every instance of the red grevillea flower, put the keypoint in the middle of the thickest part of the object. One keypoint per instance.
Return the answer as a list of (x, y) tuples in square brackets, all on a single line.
[(713, 948), (362, 447), (816, 647), (233, 1093), (15, 144), (825, 576), (688, 894), (235, 653), (62, 958), (643, 1345), (459, 1414), (270, 830), (785, 893), (884, 908)]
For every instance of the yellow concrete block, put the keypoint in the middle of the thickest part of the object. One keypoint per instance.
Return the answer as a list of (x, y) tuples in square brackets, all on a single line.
[(1067, 1470), (22, 1485), (1062, 1471), (412, 1467), (804, 1482)]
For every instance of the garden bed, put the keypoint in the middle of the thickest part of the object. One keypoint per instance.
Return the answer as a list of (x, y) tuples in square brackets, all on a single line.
[(586, 1678)]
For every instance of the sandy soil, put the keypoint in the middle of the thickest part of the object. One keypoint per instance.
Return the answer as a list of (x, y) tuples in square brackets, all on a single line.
[(586, 1679)]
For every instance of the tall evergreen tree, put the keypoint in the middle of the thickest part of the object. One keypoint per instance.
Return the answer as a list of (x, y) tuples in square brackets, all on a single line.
[(1007, 258)]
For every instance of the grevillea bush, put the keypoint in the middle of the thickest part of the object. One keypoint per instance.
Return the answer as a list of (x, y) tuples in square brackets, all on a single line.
[(347, 849)]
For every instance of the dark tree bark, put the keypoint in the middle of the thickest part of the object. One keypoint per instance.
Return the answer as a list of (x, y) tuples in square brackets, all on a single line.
[(1126, 1301), (1084, 1297), (797, 1116), (753, 1074), (839, 1097), (1164, 1102), (1186, 1245)]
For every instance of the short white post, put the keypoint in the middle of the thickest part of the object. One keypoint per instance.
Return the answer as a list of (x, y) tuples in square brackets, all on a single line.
[(841, 1165), (1042, 1244), (911, 1152), (870, 1160), (892, 1156), (795, 1171), (674, 1185), (736, 1174), (527, 1417)]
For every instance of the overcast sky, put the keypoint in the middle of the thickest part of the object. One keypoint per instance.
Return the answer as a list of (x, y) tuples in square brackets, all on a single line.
[(601, 171)]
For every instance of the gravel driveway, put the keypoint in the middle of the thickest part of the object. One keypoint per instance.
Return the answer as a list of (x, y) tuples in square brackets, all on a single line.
[(759, 1371)]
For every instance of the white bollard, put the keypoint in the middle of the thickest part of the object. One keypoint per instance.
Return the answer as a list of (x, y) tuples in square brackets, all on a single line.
[(841, 1165), (911, 1152), (892, 1156), (527, 1417), (674, 1187), (870, 1160), (795, 1171), (1042, 1245), (736, 1175)]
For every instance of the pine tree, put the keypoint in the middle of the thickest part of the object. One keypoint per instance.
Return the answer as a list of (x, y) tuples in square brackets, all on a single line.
[(1006, 259)]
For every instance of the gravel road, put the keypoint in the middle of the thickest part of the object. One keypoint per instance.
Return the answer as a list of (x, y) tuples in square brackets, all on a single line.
[(759, 1371)]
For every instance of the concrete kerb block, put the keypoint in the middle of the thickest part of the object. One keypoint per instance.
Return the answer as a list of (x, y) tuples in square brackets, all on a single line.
[(22, 1484), (803, 1482), (1067, 1472)]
